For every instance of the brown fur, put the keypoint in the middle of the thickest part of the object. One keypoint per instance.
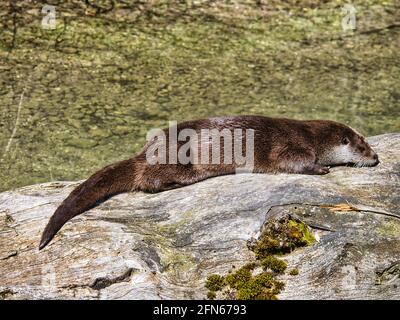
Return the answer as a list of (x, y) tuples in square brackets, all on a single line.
[(280, 145)]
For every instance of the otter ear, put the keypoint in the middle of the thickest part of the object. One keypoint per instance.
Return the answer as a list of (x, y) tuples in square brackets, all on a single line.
[(345, 140)]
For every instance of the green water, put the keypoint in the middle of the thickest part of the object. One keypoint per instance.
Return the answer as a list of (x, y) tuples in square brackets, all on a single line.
[(96, 84)]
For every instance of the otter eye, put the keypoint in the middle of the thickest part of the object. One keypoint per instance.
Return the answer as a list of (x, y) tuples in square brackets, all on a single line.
[(345, 140)]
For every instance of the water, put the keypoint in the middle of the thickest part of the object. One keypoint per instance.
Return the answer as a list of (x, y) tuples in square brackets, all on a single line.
[(96, 84)]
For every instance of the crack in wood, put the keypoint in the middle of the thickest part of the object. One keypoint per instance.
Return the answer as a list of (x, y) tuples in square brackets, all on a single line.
[(104, 282)]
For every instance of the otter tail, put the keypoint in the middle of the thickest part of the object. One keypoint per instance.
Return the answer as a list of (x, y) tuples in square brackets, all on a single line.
[(111, 180)]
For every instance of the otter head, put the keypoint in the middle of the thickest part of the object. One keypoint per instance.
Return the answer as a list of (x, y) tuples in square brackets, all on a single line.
[(351, 148)]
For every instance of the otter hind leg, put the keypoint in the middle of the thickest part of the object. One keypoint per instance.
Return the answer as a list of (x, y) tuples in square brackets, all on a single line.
[(167, 177), (190, 174)]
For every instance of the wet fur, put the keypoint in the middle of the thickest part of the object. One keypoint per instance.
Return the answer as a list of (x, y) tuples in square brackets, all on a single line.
[(280, 145)]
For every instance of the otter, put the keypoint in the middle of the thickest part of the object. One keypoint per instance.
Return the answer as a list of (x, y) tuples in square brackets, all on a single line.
[(280, 145)]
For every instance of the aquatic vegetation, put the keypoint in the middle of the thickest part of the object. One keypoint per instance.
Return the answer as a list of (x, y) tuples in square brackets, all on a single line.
[(96, 84)]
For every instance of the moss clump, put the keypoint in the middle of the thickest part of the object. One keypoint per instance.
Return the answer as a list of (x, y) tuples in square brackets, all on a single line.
[(294, 272), (283, 236), (241, 277), (262, 286), (301, 233), (274, 264), (211, 295), (266, 246), (214, 282), (248, 282)]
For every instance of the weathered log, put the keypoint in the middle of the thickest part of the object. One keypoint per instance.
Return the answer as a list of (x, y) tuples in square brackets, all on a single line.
[(163, 246)]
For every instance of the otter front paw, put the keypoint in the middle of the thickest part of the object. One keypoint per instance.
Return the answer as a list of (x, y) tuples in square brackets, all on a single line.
[(320, 169), (317, 169)]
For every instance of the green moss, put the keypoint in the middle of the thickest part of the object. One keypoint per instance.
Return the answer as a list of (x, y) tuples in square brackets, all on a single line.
[(240, 278), (279, 237), (282, 237), (255, 287), (301, 232), (389, 229), (266, 246), (274, 264), (211, 295), (262, 286), (214, 282), (294, 272), (173, 261)]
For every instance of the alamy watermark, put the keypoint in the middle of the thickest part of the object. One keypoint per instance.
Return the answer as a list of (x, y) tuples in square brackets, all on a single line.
[(349, 19), (204, 147), (49, 20)]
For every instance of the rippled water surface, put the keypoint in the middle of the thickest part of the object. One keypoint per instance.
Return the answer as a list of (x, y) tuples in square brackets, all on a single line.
[(84, 95)]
